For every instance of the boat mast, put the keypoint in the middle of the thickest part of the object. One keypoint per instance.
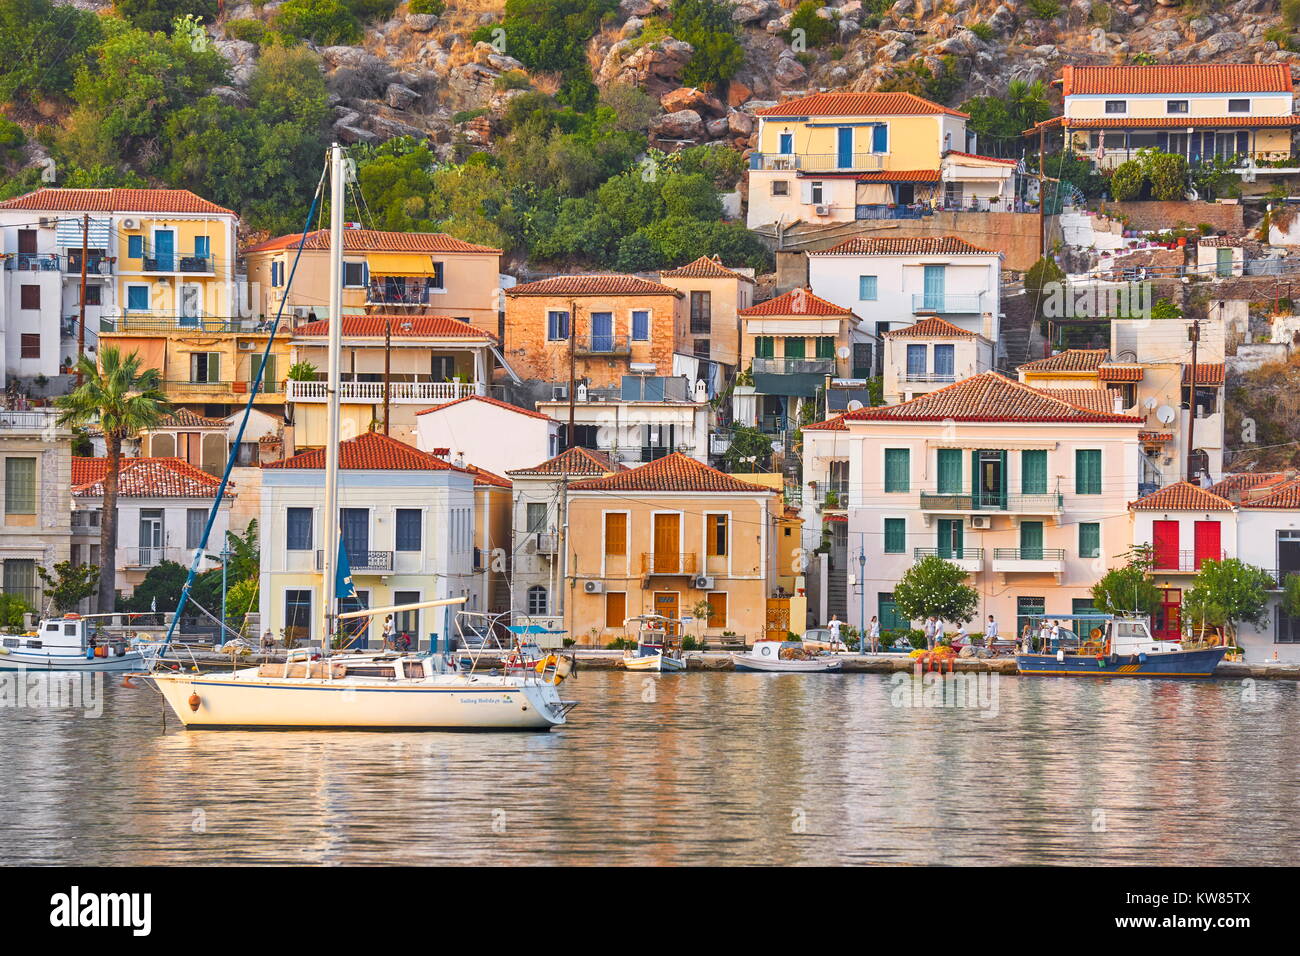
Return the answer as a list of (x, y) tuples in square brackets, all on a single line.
[(329, 564)]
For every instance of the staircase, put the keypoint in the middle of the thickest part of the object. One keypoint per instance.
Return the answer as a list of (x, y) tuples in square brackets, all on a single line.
[(837, 598), (1021, 340)]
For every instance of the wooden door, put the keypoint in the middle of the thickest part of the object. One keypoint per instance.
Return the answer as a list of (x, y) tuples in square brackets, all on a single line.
[(667, 542)]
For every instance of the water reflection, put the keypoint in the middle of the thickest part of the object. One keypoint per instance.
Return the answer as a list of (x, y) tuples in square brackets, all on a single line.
[(716, 768)]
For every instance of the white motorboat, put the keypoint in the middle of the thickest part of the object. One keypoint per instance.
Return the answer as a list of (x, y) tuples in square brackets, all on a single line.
[(658, 647), (66, 644), (785, 657)]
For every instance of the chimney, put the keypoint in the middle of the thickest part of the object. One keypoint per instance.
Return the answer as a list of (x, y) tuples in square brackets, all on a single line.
[(1118, 404), (986, 326)]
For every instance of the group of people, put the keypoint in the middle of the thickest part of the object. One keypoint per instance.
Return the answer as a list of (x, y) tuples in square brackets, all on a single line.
[(1046, 637), (935, 632)]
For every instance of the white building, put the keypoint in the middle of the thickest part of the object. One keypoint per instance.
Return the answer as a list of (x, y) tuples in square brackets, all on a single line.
[(929, 354), (487, 432), (35, 529)]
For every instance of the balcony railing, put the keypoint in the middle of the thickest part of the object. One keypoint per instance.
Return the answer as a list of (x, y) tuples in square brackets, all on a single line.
[(1028, 554), (362, 562), (167, 321), (152, 557), (701, 325), (602, 345), (32, 262), (36, 419), (373, 392), (950, 304), (794, 366), (1182, 562), (832, 496), (384, 293), (669, 562), (548, 542), (177, 264), (950, 554), (891, 211), (95, 265), (982, 501), (818, 162), (923, 378)]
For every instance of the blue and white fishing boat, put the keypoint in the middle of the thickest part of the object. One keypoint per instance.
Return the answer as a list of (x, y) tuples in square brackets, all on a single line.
[(1123, 647), (68, 644)]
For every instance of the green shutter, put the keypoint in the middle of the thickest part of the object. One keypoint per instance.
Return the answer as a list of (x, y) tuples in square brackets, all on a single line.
[(895, 535), (764, 347), (897, 469), (1089, 539), (1031, 540), (949, 471), (825, 347), (1033, 472), (1087, 471), (794, 346)]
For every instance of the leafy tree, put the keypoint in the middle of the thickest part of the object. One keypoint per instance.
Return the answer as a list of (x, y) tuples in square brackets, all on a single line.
[(435, 7), (326, 22), (1167, 173), (1234, 590), (157, 15), (12, 609), (1128, 588), (707, 26), (42, 46), (1291, 12), (12, 139), (750, 449), (69, 584), (1004, 119), (1127, 180), (633, 107), (1165, 309), (160, 590), (1042, 276), (934, 586), (816, 31), (1291, 595), (123, 399)]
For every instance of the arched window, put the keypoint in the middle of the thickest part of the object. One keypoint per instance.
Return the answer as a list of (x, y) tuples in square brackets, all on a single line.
[(537, 602)]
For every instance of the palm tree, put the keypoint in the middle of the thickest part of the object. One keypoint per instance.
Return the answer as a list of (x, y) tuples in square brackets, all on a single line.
[(122, 399)]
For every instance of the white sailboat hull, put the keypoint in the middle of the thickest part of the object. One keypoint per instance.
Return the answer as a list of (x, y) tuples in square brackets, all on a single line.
[(444, 702), (656, 663)]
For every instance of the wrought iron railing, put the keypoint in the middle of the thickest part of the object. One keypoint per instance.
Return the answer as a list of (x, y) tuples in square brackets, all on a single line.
[(982, 501), (602, 345), (950, 554), (1028, 554), (415, 392), (669, 562), (362, 561), (1183, 561), (794, 366), (961, 303), (818, 162)]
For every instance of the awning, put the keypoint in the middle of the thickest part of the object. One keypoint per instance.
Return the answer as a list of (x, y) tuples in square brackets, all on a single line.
[(400, 264), (68, 233), (803, 384)]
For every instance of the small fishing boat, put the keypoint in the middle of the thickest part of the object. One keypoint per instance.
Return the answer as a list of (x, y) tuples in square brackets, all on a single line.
[(658, 646), (1123, 647), (786, 657), (68, 644)]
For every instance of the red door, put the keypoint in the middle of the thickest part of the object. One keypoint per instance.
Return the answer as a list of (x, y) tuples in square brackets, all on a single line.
[(1164, 536), (1168, 623), (1207, 542)]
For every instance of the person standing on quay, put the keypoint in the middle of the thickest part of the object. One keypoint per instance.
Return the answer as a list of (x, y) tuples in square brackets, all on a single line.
[(929, 632), (990, 632), (874, 633)]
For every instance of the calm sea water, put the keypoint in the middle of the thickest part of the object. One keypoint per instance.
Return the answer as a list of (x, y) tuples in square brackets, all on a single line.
[(681, 769)]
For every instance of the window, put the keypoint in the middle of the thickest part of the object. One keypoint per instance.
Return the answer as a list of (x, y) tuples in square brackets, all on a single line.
[(298, 536), (780, 187), (641, 325), (137, 298), (30, 297), (1028, 611), (1033, 472), (354, 275), (816, 194), (615, 608), (897, 469), (1116, 106), (20, 578), (895, 535), (135, 247), (1031, 540), (717, 536), (887, 612), (30, 345), (1176, 106), (764, 346), (786, 144), (536, 516), (537, 600), (205, 366), (1238, 106), (945, 360), (949, 471), (863, 361), (794, 346), (701, 313), (825, 347), (867, 288), (195, 519), (93, 296), (701, 348), (916, 356), (297, 614), (616, 535), (202, 247), (409, 522), (277, 274), (880, 138), (717, 608), (439, 279), (1087, 471), (20, 486), (557, 325), (1089, 539)]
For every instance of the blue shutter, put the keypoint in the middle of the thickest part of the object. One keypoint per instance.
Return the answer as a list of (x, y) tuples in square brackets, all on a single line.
[(915, 360), (135, 247), (895, 535), (944, 360), (880, 139), (137, 298), (934, 288), (867, 288), (641, 325)]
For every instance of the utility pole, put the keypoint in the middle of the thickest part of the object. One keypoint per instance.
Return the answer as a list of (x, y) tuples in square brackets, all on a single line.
[(862, 595), (573, 331), (81, 308), (1194, 334), (388, 367), (1042, 199)]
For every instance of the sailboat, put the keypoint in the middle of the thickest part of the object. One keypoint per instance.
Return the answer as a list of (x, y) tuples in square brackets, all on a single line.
[(375, 690)]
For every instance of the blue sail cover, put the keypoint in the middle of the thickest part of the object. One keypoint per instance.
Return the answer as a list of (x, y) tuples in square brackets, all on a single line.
[(356, 629)]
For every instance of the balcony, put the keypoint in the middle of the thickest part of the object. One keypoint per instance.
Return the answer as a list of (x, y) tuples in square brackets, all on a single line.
[(984, 502), (970, 560), (172, 264), (831, 497), (602, 345), (668, 562), (170, 321), (891, 211), (391, 291), (701, 325), (408, 393), (32, 262), (1029, 560), (96, 265), (363, 562), (1182, 562), (152, 557), (929, 378), (794, 366), (819, 162), (548, 542), (32, 420), (966, 304)]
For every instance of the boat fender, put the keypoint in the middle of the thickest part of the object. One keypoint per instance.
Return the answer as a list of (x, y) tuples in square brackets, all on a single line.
[(126, 681), (4, 651), (1101, 661), (1060, 656), (194, 702), (90, 653)]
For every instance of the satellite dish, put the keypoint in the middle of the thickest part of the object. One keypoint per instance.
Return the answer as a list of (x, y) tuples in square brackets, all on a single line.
[(1165, 414), (854, 405), (843, 351), (1150, 403)]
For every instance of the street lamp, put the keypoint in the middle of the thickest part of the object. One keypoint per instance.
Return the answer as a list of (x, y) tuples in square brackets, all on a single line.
[(862, 600)]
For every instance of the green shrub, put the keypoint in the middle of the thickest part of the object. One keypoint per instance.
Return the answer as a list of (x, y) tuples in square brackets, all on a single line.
[(326, 22), (1281, 36), (434, 7), (464, 116), (1291, 12), (254, 31), (1167, 173), (156, 16), (1127, 180), (513, 80), (836, 52), (1045, 9), (816, 31), (707, 26), (983, 31), (12, 609)]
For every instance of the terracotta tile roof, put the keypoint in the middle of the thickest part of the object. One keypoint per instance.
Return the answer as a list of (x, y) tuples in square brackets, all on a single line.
[(145, 478), (1182, 496), (675, 472), (1071, 360), (611, 284), (489, 401), (1111, 372), (989, 397), (1155, 436), (1094, 399), (484, 477), (373, 240), (403, 326), (1175, 78), (930, 328), (1161, 122), (1220, 242), (370, 452), (705, 267), (905, 246), (184, 418), (987, 159), (882, 176), (1206, 374), (795, 302), (1246, 481), (1285, 496), (573, 461), (857, 104), (833, 424), (53, 199)]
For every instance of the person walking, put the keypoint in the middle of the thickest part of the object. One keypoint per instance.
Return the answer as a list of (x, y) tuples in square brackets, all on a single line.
[(873, 632), (1026, 638), (938, 633), (388, 633), (990, 632)]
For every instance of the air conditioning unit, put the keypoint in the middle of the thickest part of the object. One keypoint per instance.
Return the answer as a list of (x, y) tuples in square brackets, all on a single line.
[(47, 222), (248, 346), (823, 210), (130, 224), (703, 583), (981, 522), (559, 393), (301, 311), (594, 587)]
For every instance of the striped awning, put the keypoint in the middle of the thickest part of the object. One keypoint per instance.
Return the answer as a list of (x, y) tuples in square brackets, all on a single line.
[(67, 234)]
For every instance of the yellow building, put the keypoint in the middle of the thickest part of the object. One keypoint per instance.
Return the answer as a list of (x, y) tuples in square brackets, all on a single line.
[(417, 273), (665, 538)]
